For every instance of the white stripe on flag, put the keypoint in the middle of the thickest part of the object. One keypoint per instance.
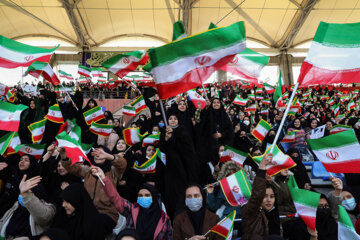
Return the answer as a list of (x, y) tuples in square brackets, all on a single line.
[(345, 154), (19, 57), (305, 210)]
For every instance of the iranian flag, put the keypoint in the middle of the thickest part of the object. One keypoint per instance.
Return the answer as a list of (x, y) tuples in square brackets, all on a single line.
[(185, 64), (63, 74), (280, 161), (196, 98), (101, 129), (351, 105), (97, 72), (251, 96), (128, 110), (55, 114), (14, 54), (3, 89), (10, 116), (251, 108), (10, 95), (225, 227), (261, 130), (264, 111), (236, 188), (289, 138), (5, 142), (122, 64), (149, 166), (35, 150), (178, 31), (43, 69), (269, 88), (339, 128), (280, 89), (240, 101), (306, 203), (93, 115), (139, 104), (324, 97), (132, 83), (152, 139), (232, 154), (72, 147), (132, 136), (266, 101), (84, 71), (15, 141), (37, 130), (75, 133), (336, 109), (346, 229), (337, 152)]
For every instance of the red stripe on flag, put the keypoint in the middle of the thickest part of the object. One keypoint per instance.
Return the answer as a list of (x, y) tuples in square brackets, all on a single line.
[(289, 163), (225, 159), (227, 192), (12, 126), (220, 230), (5, 63), (102, 116), (104, 134), (235, 71), (123, 72), (352, 166), (309, 221), (258, 135), (55, 119)]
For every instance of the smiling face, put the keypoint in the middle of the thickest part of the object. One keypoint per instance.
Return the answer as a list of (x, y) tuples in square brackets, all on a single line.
[(61, 170), (32, 104), (216, 104), (269, 199), (121, 145), (313, 124), (24, 163), (297, 123), (173, 121), (182, 106)]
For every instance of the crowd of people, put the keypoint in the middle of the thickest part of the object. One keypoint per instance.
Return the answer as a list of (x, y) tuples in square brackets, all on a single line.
[(51, 198)]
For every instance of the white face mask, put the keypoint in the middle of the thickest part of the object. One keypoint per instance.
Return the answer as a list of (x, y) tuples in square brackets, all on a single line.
[(246, 122)]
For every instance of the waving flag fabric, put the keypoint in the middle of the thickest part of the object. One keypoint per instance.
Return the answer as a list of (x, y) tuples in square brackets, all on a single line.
[(225, 227), (149, 166), (5, 142), (178, 31), (45, 70), (132, 136), (236, 188), (93, 115), (196, 98), (101, 129), (232, 154), (152, 139), (261, 130), (55, 114), (72, 147), (10, 116), (240, 101), (63, 74), (129, 110), (35, 150), (37, 130), (84, 71), (138, 104), (346, 229)]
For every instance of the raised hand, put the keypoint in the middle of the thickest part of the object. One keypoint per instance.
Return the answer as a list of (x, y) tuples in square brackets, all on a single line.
[(267, 159), (26, 185), (3, 165), (97, 171)]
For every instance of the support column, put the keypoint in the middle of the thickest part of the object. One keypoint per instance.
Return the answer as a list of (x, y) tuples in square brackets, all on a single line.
[(221, 76), (286, 68)]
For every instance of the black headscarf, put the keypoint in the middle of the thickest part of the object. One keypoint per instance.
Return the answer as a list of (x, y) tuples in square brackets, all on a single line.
[(197, 218), (128, 233), (87, 107), (55, 234), (148, 218), (85, 223)]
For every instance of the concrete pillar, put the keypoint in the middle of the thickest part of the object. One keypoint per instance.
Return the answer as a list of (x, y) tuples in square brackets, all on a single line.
[(286, 68), (221, 76)]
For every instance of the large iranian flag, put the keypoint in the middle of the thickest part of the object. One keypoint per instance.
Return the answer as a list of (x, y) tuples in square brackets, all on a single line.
[(339, 128), (63, 74), (306, 203), (43, 69), (232, 154), (37, 130), (149, 166), (54, 114), (261, 130), (225, 227), (346, 229), (14, 54), (72, 147), (10, 116), (338, 152), (185, 64), (122, 64), (93, 115), (334, 55), (101, 129), (97, 72), (236, 188), (132, 136), (35, 150)]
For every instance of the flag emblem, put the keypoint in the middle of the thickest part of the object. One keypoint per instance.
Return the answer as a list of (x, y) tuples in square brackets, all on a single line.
[(28, 58), (333, 155), (235, 189), (11, 116), (202, 60), (28, 150), (126, 60)]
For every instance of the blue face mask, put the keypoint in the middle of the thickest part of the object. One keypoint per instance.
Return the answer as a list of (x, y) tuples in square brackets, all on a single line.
[(161, 124), (144, 202), (349, 204), (194, 204), (20, 200)]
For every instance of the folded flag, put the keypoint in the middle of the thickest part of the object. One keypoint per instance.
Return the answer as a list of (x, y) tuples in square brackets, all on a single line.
[(37, 130), (225, 227), (72, 147), (251, 108), (138, 104), (306, 203), (101, 129), (10, 116), (280, 161), (55, 114), (43, 69), (149, 166), (84, 71), (129, 110), (339, 128), (240, 101), (236, 188), (5, 142), (261, 130), (196, 98), (132, 136), (346, 229), (14, 54), (337, 152), (35, 150), (232, 154), (289, 138), (152, 139), (63, 74), (185, 64), (122, 64), (97, 72), (333, 56), (93, 115)]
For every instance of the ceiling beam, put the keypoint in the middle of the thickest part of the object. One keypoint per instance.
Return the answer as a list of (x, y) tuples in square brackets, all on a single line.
[(296, 23), (171, 14), (295, 3), (29, 14)]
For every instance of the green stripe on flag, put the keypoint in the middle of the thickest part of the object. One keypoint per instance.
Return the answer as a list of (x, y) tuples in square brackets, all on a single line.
[(245, 186), (344, 218), (254, 56), (24, 48), (333, 141), (338, 35), (301, 195), (235, 150)]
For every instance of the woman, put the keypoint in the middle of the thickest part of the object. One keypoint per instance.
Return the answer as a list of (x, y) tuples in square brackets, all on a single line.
[(284, 200), (30, 115), (184, 113), (196, 220), (145, 216), (260, 217), (109, 141), (300, 173), (299, 133), (313, 123)]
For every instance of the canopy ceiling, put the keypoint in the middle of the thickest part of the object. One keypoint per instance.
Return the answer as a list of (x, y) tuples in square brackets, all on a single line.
[(278, 24)]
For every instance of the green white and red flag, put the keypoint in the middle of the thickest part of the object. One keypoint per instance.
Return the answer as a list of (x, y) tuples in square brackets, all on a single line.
[(196, 98), (132, 136), (75, 133), (37, 130), (149, 166), (185, 64), (63, 74), (15, 141), (333, 56), (84, 71), (139, 104), (55, 114), (294, 110), (35, 150), (324, 97), (251, 108), (240, 101), (10, 95), (225, 227), (232, 154), (266, 101), (269, 88), (280, 161), (289, 138), (331, 101), (43, 69), (259, 91), (306, 203), (339, 128), (259, 97), (236, 188), (336, 152), (72, 147), (131, 83), (5, 142), (261, 130), (93, 115), (14, 54), (84, 79), (336, 109), (10, 116), (346, 229), (101, 129), (96, 72), (3, 89), (122, 64), (152, 139), (351, 105), (128, 110), (251, 96), (178, 31), (280, 89), (264, 111)]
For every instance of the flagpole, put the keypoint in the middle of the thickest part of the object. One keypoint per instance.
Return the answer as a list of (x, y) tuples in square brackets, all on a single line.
[(206, 96), (163, 113), (70, 97), (284, 117)]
